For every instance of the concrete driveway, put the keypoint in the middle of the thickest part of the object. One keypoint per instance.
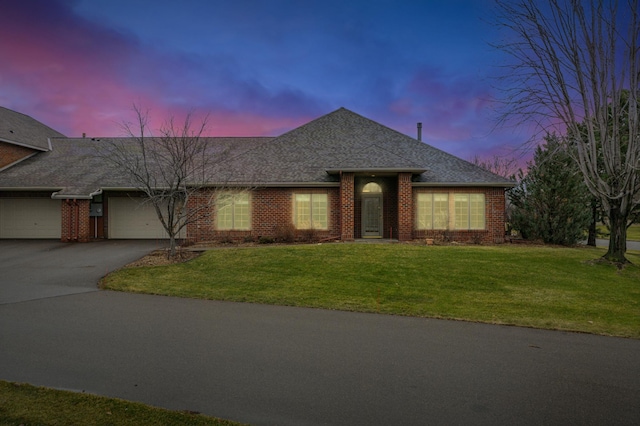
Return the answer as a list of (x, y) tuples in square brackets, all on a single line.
[(35, 269), (273, 365)]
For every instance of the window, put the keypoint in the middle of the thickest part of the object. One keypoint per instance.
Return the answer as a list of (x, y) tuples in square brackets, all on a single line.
[(372, 187), (462, 211), (476, 211), (467, 211), (310, 211), (233, 211), (433, 211)]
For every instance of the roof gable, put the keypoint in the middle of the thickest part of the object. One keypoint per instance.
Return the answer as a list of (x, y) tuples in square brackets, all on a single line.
[(309, 155), (344, 140), (20, 129)]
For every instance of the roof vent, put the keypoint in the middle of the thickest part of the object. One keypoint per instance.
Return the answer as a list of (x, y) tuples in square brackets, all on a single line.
[(420, 132)]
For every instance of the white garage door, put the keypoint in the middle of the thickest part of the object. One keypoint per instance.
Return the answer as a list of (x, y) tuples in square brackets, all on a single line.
[(131, 218), (30, 218)]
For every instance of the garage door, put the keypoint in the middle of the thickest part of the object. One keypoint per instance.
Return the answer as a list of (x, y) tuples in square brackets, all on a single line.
[(131, 218), (30, 218)]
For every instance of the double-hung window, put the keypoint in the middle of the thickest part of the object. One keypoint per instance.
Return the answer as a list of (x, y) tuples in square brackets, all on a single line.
[(450, 211), (310, 211), (233, 211), (469, 211), (433, 211)]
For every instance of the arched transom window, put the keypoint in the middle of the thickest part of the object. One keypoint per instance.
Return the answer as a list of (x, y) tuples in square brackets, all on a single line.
[(372, 187)]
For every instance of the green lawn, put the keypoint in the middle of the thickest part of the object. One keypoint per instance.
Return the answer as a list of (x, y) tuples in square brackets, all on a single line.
[(22, 404), (545, 287), (633, 232)]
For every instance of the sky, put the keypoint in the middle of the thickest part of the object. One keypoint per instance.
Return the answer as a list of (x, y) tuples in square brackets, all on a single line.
[(258, 67)]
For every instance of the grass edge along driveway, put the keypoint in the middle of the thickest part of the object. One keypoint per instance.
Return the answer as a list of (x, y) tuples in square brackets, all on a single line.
[(541, 287), (24, 404)]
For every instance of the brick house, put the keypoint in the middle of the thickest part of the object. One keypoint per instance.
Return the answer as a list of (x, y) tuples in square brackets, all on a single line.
[(340, 176)]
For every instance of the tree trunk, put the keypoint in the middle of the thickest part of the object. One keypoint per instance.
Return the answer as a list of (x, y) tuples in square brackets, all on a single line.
[(591, 240), (172, 247), (618, 237)]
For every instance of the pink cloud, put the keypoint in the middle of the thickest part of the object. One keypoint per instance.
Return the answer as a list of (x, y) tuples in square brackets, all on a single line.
[(82, 77)]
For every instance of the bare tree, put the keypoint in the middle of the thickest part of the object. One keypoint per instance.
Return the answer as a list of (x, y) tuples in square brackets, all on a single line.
[(577, 63), (169, 169), (504, 166)]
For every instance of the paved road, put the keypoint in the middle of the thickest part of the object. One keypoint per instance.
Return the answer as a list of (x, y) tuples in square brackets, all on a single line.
[(269, 365), (631, 245)]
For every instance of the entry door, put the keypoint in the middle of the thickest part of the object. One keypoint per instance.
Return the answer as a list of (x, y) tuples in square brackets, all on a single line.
[(372, 215)]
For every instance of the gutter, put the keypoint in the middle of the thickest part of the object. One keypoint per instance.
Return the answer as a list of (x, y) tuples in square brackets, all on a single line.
[(394, 170), (24, 145), (459, 184), (245, 185)]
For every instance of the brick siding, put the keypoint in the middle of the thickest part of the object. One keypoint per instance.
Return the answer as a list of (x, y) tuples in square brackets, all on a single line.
[(10, 153), (347, 206), (405, 207), (494, 218), (271, 215), (75, 220)]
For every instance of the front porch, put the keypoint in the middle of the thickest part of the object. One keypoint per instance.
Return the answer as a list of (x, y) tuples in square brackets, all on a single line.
[(376, 204)]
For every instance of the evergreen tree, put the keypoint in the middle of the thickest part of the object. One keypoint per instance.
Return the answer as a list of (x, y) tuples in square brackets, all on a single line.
[(551, 201)]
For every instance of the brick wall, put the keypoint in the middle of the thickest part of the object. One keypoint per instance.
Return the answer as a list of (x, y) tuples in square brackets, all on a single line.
[(347, 206), (271, 213), (10, 153), (494, 218), (75, 220), (405, 207)]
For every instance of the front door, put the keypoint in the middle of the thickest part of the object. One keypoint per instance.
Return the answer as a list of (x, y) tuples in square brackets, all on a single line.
[(372, 215)]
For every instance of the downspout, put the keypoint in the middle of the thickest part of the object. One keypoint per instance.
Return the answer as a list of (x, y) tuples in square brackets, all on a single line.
[(77, 222), (341, 209), (70, 224)]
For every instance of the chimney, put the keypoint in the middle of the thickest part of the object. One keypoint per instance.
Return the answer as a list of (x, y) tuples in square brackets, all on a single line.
[(84, 135), (420, 132)]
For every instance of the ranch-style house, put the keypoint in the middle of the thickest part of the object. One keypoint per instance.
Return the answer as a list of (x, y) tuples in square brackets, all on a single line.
[(340, 176)]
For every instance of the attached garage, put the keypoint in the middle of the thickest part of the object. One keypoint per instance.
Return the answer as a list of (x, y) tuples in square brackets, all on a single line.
[(30, 218), (131, 218)]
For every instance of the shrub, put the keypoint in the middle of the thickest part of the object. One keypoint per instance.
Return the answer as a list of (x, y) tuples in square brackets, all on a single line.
[(285, 233), (265, 240)]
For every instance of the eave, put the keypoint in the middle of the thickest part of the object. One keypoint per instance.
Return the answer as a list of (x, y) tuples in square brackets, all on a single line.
[(459, 184)]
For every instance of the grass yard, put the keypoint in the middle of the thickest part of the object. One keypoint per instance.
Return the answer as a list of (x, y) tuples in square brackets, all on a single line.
[(22, 404), (633, 232), (544, 287)]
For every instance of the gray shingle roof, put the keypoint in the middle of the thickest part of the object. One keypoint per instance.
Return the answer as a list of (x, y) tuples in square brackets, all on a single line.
[(308, 155), (23, 130), (74, 167), (344, 140)]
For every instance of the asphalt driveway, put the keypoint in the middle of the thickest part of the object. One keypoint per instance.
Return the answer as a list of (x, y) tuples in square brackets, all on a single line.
[(272, 365), (35, 269)]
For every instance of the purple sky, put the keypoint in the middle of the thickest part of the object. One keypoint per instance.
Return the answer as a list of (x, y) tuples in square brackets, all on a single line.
[(257, 67)]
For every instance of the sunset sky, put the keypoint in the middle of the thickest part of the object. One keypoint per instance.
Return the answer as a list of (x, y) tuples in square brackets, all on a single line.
[(257, 67)]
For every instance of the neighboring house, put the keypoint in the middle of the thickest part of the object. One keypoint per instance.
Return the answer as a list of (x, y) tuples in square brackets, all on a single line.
[(339, 176)]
